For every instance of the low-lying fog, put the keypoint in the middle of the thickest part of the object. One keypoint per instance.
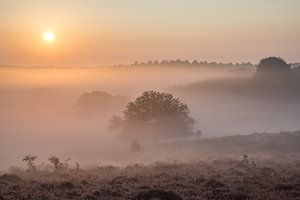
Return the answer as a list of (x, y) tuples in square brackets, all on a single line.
[(40, 114)]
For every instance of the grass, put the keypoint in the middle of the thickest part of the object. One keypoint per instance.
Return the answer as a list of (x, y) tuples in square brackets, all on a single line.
[(223, 177)]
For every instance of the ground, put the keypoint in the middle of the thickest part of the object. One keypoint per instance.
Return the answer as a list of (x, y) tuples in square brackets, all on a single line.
[(223, 177)]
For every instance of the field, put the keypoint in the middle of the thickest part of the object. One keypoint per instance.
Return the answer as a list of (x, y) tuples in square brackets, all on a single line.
[(257, 166)]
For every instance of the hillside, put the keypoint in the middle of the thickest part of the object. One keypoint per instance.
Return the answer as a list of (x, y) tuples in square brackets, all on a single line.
[(243, 176)]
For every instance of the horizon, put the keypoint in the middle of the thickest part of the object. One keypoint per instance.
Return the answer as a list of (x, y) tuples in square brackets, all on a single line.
[(200, 62)]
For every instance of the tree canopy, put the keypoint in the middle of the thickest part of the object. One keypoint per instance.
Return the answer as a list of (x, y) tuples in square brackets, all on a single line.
[(99, 102), (155, 115), (273, 65)]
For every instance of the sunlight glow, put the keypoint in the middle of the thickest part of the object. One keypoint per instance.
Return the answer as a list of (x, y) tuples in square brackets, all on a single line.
[(48, 36)]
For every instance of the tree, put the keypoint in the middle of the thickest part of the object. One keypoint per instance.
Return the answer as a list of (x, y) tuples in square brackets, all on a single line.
[(99, 103), (30, 161), (57, 165), (273, 65), (155, 115)]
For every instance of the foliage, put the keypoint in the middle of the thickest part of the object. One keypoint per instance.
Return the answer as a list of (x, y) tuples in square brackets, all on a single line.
[(273, 65), (155, 115), (225, 179), (227, 174), (99, 102)]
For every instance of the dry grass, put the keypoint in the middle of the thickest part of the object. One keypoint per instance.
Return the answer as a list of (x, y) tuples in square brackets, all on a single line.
[(226, 178)]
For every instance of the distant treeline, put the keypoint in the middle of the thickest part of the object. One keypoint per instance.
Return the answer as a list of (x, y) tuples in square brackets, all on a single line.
[(179, 62)]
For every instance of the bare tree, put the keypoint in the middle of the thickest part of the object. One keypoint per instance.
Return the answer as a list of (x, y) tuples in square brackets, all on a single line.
[(30, 161)]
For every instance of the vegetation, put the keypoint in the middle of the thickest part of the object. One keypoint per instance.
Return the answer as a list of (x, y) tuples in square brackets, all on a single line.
[(239, 173), (195, 63), (273, 65), (155, 115), (274, 79), (59, 166), (224, 179), (29, 159), (99, 102)]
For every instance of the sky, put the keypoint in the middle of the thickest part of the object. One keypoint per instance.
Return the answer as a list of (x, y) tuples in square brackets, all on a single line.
[(100, 32)]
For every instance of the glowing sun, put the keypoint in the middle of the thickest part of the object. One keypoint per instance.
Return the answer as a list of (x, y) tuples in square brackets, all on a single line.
[(48, 36)]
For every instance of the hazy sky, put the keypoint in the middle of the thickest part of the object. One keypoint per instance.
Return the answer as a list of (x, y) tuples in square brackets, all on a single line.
[(90, 32)]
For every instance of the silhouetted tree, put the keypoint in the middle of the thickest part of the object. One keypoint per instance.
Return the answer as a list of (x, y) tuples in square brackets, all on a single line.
[(273, 65), (30, 161), (156, 114)]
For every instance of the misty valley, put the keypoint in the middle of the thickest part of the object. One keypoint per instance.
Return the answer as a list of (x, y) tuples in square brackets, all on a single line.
[(149, 100), (155, 130)]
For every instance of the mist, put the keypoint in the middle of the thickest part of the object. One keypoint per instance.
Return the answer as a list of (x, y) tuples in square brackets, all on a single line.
[(40, 114)]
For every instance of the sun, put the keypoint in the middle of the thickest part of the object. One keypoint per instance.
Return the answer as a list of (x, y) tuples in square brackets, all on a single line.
[(48, 36)]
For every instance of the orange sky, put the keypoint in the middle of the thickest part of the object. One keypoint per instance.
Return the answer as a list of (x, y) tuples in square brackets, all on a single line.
[(94, 32)]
